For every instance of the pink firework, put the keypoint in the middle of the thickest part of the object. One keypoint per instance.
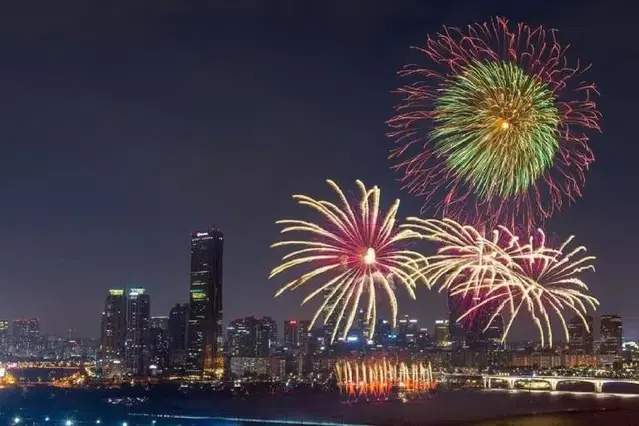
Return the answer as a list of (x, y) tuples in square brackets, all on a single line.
[(496, 130), (351, 252)]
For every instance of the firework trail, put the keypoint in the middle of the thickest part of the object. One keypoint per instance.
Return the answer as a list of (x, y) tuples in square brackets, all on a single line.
[(508, 274), (353, 250), (496, 131)]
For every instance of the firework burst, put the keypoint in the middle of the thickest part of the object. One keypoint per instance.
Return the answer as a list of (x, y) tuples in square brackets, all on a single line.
[(508, 274), (352, 252), (497, 129)]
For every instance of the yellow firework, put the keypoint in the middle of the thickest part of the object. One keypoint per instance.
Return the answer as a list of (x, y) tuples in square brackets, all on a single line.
[(506, 274), (353, 250)]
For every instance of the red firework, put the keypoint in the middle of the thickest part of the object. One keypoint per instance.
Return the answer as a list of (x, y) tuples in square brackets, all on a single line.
[(426, 170)]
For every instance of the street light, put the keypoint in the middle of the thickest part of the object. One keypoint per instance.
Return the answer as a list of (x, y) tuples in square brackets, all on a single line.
[(68, 423), (16, 420)]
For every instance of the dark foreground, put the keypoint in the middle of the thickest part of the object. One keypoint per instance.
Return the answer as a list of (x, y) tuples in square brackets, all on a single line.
[(476, 407)]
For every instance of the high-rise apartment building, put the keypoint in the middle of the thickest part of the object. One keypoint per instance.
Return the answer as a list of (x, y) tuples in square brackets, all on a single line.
[(4, 338), (252, 337), (242, 337), (205, 328), (610, 335), (158, 348), (177, 327), (304, 328), (468, 332), (138, 315), (26, 337), (266, 336), (291, 334), (407, 330), (581, 336), (160, 321), (441, 334)]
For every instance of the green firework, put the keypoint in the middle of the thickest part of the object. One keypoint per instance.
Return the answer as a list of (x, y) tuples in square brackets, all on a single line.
[(497, 128)]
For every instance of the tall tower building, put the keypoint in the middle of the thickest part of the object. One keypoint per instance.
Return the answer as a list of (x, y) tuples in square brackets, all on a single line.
[(610, 335), (205, 329), (138, 315), (291, 334), (113, 326), (581, 337)]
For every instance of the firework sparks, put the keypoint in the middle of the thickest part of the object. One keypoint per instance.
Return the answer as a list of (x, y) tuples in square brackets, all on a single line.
[(378, 378), (509, 274), (355, 250), (497, 128)]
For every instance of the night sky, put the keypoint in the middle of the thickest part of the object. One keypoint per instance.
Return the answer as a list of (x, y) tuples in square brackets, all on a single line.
[(126, 126)]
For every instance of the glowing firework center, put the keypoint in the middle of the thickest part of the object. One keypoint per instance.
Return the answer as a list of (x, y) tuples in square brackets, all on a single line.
[(497, 127)]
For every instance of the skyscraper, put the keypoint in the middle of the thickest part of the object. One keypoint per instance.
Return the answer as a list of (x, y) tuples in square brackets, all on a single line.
[(610, 335), (291, 334), (138, 315), (205, 328), (26, 336), (581, 337), (113, 327), (177, 327)]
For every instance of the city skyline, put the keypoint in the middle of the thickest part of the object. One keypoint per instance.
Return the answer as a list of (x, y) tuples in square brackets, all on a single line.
[(112, 159)]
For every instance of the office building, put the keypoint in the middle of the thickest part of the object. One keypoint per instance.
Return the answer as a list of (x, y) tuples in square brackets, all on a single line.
[(610, 335), (205, 328), (581, 336), (291, 334), (26, 337), (113, 333), (138, 316)]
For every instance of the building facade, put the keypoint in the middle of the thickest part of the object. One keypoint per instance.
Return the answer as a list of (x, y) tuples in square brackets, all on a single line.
[(205, 328)]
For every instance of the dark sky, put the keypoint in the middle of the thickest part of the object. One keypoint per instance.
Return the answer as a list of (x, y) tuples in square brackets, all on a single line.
[(126, 126)]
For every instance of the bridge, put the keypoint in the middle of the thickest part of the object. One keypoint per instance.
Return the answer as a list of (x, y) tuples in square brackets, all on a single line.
[(553, 381)]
